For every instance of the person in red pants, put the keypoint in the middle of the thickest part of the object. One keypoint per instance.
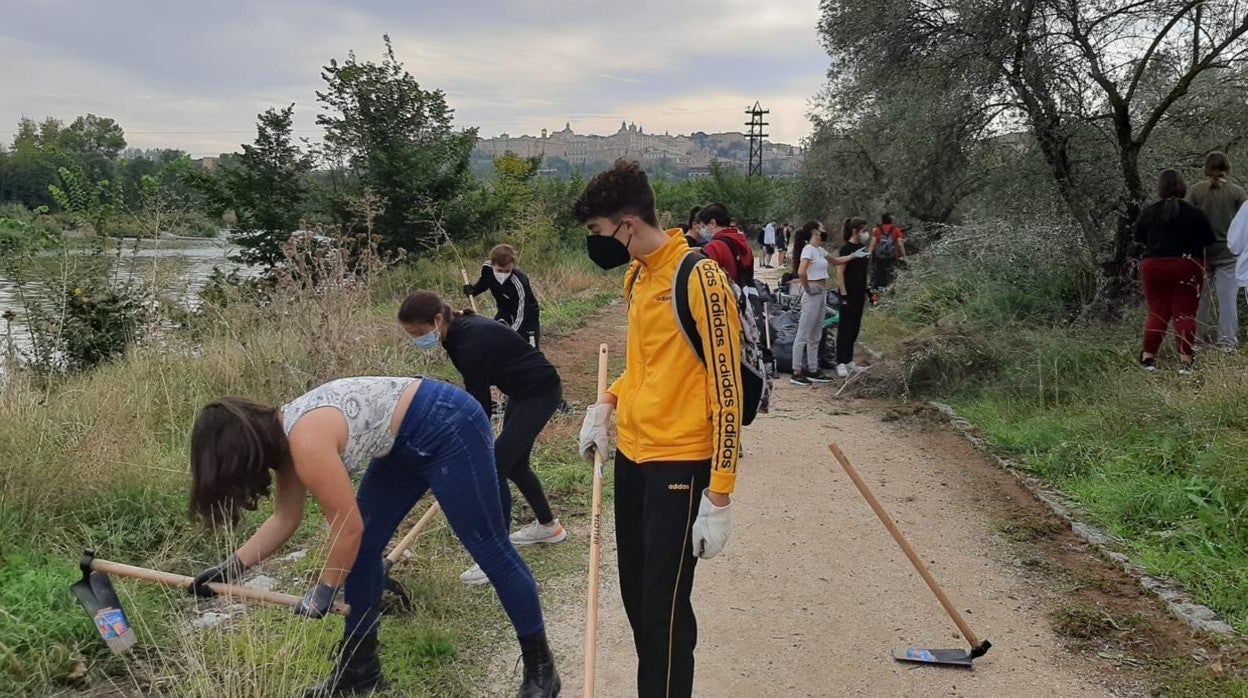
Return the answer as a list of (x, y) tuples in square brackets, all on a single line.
[(1174, 234)]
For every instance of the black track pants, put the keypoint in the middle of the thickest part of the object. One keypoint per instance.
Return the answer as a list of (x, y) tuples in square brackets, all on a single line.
[(523, 421), (850, 324), (655, 506)]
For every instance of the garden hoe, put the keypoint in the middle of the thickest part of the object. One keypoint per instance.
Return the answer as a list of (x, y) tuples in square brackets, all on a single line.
[(95, 592), (955, 657), (404, 602)]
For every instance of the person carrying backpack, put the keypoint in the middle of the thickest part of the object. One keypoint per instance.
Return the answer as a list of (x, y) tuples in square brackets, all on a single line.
[(727, 246), (679, 419), (888, 244), (517, 305)]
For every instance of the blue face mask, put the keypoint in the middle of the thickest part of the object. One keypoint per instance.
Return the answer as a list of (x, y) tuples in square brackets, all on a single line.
[(428, 341)]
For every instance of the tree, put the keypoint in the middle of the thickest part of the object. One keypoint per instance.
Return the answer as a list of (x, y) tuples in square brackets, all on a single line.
[(1083, 76), (94, 143), (398, 141), (265, 187), (89, 202)]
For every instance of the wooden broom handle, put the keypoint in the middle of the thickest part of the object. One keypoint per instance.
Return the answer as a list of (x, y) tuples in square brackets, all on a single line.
[(413, 534), (595, 545), (905, 546), (471, 299), (181, 581)]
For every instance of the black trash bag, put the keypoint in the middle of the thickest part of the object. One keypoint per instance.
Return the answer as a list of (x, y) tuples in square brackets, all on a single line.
[(827, 348), (783, 332)]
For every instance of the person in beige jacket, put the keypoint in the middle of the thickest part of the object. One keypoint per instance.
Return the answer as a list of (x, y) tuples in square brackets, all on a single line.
[(1220, 200)]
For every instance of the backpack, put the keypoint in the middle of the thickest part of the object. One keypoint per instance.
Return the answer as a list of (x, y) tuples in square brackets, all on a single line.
[(885, 247), (743, 256), (755, 378)]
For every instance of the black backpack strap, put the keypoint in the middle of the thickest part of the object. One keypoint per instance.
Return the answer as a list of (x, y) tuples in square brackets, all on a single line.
[(680, 300)]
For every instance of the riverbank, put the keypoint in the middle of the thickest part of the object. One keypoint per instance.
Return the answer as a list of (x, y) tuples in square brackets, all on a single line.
[(99, 461)]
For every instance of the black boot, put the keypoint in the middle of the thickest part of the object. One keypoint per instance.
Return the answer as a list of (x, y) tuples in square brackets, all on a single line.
[(540, 678), (357, 670)]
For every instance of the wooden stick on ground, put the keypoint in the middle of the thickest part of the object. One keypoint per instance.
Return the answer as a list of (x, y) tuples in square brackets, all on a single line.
[(905, 547)]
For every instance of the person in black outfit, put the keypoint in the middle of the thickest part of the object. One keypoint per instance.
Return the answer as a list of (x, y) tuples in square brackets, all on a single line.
[(487, 353), (852, 283), (517, 306)]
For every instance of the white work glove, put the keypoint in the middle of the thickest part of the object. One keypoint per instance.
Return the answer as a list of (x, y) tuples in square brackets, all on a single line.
[(594, 431), (710, 529), (860, 253)]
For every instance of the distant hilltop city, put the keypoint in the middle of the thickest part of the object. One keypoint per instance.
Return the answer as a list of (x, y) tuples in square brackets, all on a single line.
[(566, 151)]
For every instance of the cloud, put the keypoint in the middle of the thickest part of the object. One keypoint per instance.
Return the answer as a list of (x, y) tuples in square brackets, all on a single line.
[(195, 75)]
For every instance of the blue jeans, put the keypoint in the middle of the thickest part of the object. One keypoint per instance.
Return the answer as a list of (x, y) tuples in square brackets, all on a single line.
[(445, 444)]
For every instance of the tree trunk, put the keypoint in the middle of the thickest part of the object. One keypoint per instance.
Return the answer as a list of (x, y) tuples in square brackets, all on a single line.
[(1118, 287)]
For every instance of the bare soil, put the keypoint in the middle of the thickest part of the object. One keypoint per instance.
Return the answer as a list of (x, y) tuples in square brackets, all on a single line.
[(811, 595)]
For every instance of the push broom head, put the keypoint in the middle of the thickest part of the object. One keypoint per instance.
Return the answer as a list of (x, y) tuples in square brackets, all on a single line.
[(96, 594)]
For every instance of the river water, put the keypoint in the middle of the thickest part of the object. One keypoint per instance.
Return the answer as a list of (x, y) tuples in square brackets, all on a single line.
[(179, 267)]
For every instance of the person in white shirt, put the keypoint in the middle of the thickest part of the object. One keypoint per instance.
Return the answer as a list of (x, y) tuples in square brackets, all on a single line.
[(769, 244), (812, 274)]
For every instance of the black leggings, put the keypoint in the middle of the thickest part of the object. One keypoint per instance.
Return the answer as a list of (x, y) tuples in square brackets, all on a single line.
[(850, 324), (523, 421)]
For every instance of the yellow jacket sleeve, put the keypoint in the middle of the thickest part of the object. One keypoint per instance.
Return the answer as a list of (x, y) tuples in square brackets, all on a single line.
[(714, 309)]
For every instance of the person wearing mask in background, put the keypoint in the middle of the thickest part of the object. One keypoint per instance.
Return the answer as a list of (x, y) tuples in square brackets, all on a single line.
[(727, 245), (769, 244), (513, 296), (888, 244), (408, 435), (1174, 234), (1220, 200), (679, 423), (851, 281), (812, 275), (487, 353)]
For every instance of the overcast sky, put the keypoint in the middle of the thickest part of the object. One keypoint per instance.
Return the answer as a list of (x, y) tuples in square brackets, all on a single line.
[(194, 75)]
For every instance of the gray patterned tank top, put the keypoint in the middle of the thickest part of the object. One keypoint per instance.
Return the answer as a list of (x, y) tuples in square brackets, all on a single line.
[(368, 404)]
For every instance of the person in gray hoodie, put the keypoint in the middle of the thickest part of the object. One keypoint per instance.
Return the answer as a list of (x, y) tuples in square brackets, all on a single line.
[(1220, 200)]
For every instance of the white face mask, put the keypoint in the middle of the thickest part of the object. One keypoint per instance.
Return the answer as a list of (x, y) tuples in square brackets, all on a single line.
[(501, 277), (864, 238)]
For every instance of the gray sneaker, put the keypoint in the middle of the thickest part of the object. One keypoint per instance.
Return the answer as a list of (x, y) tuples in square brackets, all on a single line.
[(535, 533)]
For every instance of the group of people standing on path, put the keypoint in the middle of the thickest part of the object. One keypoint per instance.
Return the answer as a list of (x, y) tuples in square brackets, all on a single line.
[(814, 270), (679, 428), (1194, 257)]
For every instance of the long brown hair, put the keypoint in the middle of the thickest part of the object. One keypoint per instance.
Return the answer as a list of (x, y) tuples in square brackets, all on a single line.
[(236, 443), (423, 306), (1171, 188), (800, 241), (1217, 168)]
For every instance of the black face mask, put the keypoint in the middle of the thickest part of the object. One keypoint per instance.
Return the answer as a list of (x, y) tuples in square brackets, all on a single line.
[(606, 251)]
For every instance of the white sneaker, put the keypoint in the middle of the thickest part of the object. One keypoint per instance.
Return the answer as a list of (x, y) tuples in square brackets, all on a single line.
[(842, 370), (474, 577), (853, 367), (536, 532)]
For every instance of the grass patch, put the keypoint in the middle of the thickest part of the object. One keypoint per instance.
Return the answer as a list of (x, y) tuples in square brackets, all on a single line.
[(1159, 460), (99, 461)]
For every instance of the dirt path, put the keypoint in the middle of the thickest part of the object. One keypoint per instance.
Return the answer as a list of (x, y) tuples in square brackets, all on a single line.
[(811, 595)]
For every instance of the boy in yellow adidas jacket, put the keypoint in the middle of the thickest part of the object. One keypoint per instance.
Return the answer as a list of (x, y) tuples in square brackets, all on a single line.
[(679, 423)]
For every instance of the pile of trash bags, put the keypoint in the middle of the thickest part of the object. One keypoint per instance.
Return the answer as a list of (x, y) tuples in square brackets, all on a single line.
[(783, 312)]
